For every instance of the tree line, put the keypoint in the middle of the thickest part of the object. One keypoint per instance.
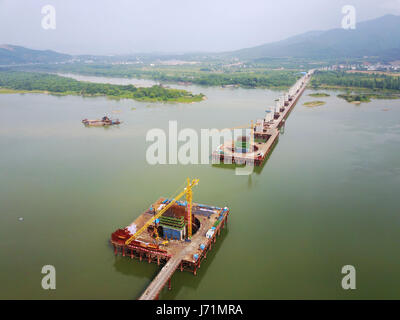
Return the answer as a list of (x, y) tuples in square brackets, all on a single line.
[(357, 80)]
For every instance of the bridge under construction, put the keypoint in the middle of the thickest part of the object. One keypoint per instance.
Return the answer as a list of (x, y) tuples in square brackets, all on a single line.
[(264, 134), (178, 234)]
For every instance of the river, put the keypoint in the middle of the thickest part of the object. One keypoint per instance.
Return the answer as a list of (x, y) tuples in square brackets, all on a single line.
[(327, 197)]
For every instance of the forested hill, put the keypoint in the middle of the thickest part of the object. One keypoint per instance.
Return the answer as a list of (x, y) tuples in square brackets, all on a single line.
[(379, 37), (10, 55)]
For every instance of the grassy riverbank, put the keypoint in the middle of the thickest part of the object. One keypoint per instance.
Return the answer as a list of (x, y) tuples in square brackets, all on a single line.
[(29, 82)]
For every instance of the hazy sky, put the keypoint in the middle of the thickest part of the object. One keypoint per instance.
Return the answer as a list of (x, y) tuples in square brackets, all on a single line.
[(127, 26)]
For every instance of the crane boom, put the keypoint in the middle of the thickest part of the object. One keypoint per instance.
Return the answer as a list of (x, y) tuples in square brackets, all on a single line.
[(159, 213)]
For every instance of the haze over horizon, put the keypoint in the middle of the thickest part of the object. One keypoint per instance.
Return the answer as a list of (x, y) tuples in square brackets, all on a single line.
[(123, 27)]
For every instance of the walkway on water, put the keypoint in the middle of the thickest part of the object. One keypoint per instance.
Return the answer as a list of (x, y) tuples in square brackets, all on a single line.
[(154, 288), (180, 259)]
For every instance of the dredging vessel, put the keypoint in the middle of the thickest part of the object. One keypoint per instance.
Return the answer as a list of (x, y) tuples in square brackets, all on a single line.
[(105, 121)]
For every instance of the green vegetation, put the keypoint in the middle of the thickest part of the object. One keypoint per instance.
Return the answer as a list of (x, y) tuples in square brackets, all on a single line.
[(7, 91), (244, 79), (20, 82), (365, 86), (319, 95), (339, 79), (358, 98), (314, 103), (355, 98)]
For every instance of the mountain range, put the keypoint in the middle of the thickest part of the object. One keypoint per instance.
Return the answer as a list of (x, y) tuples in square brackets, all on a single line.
[(379, 38)]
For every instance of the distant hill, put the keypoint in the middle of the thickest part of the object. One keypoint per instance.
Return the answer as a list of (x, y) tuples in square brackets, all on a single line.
[(10, 54), (379, 37)]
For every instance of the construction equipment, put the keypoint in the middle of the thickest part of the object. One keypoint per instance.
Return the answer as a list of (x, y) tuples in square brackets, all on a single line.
[(105, 121), (158, 236), (189, 194), (155, 232), (251, 136)]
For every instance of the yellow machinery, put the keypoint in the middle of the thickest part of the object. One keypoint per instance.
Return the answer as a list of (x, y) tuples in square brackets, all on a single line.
[(156, 232), (189, 195), (251, 137), (158, 236)]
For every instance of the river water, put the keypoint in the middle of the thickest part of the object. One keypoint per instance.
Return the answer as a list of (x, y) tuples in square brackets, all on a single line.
[(327, 197)]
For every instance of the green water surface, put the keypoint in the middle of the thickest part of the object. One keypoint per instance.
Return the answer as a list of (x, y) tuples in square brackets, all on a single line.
[(327, 197)]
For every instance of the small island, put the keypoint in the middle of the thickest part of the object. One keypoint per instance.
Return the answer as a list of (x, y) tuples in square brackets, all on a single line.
[(34, 82), (314, 103), (358, 98), (319, 95), (355, 98)]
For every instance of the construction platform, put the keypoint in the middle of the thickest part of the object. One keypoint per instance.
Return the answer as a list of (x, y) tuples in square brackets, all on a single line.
[(172, 253), (265, 134)]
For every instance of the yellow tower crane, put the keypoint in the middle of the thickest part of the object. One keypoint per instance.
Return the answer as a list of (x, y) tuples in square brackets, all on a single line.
[(189, 195), (251, 137)]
